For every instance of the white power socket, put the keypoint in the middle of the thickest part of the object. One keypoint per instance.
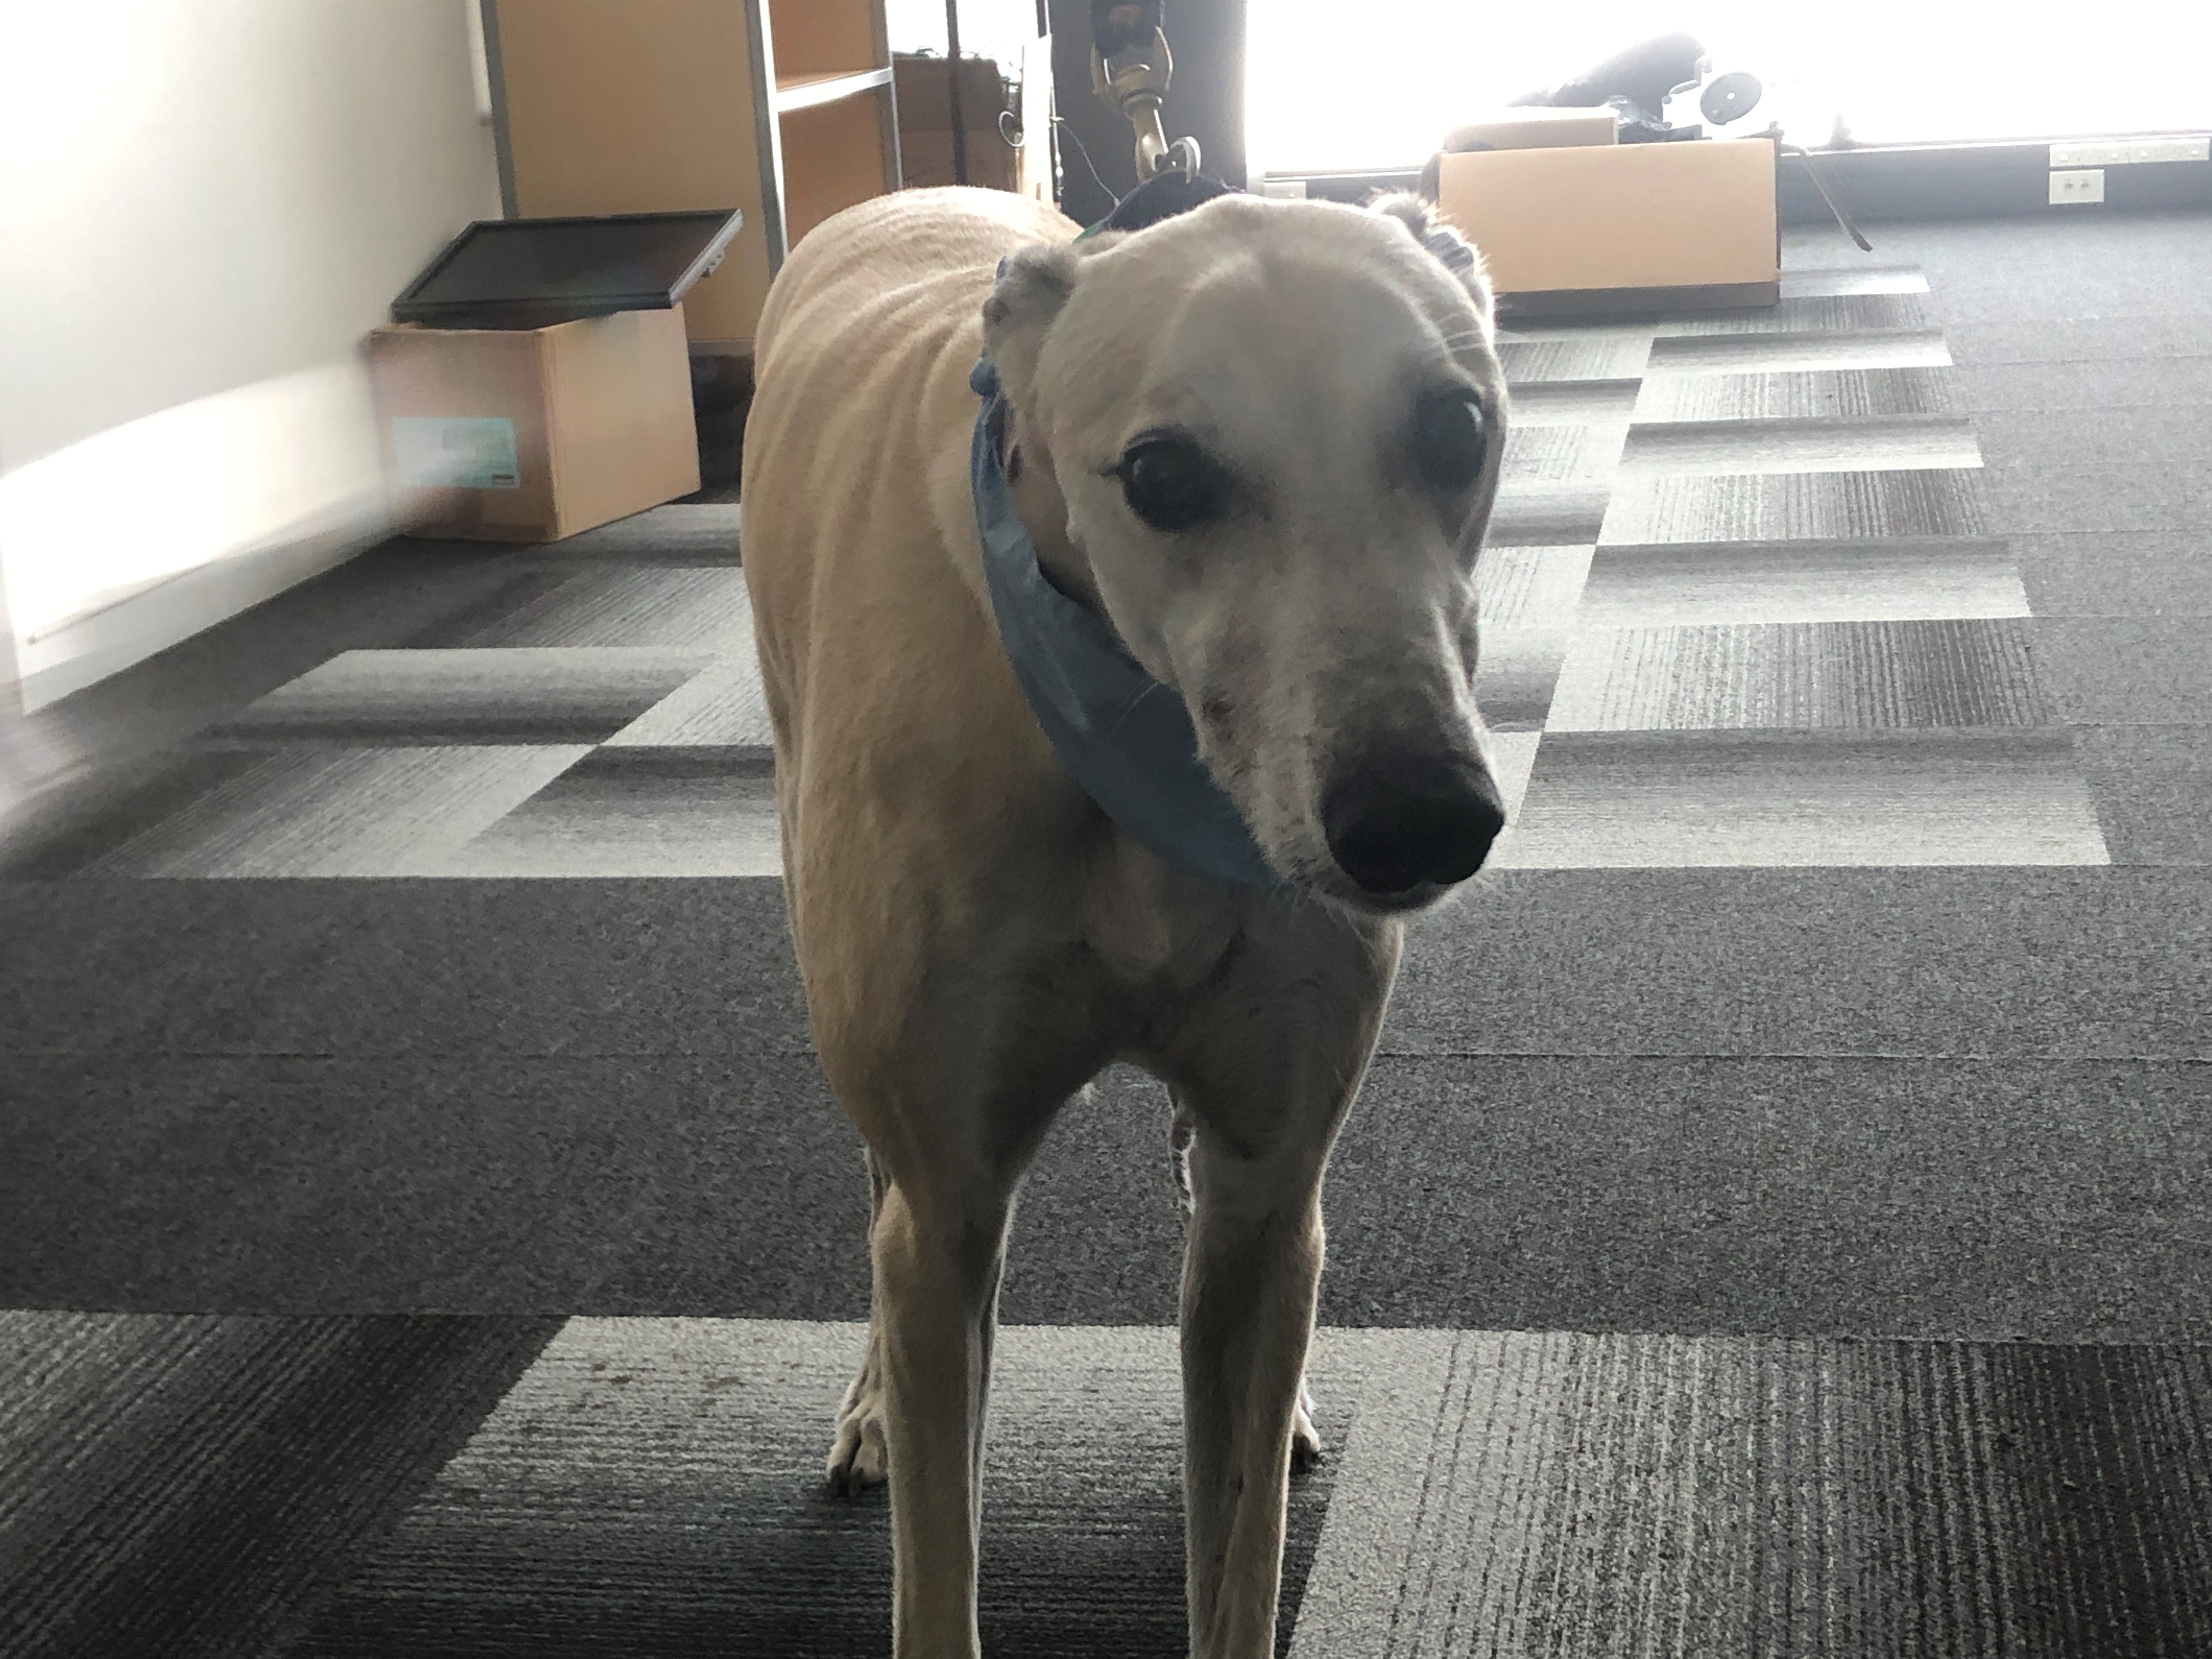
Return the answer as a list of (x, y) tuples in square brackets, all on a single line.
[(2123, 152), (2083, 185)]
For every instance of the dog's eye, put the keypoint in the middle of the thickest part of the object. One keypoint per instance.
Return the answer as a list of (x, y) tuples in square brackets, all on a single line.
[(1172, 484), (1449, 440)]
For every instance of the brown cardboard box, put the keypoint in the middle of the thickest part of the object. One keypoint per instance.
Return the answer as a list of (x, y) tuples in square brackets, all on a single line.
[(1537, 128), (531, 435), (924, 118), (1615, 226)]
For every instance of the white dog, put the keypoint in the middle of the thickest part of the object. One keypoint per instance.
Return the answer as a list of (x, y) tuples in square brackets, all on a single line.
[(1232, 471)]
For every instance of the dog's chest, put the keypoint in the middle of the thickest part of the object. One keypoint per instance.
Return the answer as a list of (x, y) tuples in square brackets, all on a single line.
[(1155, 933)]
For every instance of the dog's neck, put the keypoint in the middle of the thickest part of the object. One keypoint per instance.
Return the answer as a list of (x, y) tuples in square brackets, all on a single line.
[(1034, 488)]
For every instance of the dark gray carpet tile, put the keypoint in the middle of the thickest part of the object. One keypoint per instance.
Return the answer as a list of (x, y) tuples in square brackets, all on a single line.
[(398, 968), (1811, 314), (1548, 516), (637, 810), (2033, 497), (2142, 573), (1871, 443), (1803, 277), (2127, 671), (654, 1488), (100, 824), (1796, 506), (196, 1485), (1770, 353), (687, 533), (2153, 787), (489, 1185), (1572, 403), (1799, 581), (1633, 1496), (2055, 439), (2079, 389), (1976, 342), (650, 609), (2056, 269), (1973, 672), (516, 696), (1575, 354), (1808, 394), (2016, 963), (2063, 1201)]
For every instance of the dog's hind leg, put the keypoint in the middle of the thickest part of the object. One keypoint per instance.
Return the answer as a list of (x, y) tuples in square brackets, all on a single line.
[(859, 1456)]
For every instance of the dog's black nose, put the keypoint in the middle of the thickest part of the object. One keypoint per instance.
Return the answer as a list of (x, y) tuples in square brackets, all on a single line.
[(1401, 820)]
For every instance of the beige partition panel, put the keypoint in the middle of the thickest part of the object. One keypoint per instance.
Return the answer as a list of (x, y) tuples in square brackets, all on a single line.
[(641, 106)]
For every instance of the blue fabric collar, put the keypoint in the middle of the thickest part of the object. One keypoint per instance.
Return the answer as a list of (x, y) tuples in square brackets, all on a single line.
[(1122, 735)]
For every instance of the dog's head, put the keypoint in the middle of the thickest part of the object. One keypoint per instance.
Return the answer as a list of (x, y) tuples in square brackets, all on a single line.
[(1276, 427)]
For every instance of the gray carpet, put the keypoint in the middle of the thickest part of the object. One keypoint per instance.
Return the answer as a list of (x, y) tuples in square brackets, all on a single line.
[(397, 974)]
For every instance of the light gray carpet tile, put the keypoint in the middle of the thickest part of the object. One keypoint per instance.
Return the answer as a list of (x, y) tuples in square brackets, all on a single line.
[(1796, 506), (1572, 403), (1811, 314), (1531, 589), (517, 695), (681, 533), (1548, 514), (1665, 1497), (661, 608), (725, 707), (311, 813), (1833, 798), (1813, 282), (1770, 353), (1799, 676), (655, 1486), (1804, 581), (1890, 443), (1797, 394), (636, 810), (1574, 353), (1558, 455), (175, 1487), (1528, 598)]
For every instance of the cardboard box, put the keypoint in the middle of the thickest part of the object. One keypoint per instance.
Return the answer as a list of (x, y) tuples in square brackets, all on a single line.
[(531, 435), (924, 84), (1537, 128), (1592, 229)]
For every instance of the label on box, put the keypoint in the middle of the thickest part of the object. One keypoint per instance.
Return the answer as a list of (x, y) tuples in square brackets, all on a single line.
[(456, 452)]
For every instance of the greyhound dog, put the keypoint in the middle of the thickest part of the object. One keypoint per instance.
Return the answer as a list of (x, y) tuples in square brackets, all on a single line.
[(1252, 449)]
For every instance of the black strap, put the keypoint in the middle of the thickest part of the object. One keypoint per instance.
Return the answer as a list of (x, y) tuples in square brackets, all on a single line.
[(1161, 197)]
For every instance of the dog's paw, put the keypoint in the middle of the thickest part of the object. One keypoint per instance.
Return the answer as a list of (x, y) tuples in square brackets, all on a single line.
[(859, 1456), (1306, 1439)]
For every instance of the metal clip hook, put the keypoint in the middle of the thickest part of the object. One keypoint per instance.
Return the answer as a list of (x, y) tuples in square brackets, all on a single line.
[(1135, 85)]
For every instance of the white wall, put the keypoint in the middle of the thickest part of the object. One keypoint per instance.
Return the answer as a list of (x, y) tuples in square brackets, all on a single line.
[(204, 204)]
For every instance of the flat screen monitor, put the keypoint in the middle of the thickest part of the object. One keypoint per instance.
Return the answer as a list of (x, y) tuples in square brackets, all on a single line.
[(527, 273)]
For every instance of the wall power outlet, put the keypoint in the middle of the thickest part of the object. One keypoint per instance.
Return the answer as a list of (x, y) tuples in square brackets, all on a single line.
[(2078, 185)]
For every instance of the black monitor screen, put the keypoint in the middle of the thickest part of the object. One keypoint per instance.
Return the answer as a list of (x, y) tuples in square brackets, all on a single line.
[(532, 270)]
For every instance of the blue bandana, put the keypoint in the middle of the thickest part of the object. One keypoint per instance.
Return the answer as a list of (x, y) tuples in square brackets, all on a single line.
[(1125, 737)]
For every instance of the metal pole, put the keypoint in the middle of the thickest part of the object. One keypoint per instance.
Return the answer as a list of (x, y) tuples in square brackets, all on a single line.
[(959, 115)]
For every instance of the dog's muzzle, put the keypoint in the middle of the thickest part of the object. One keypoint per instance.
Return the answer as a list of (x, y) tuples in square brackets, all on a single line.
[(1399, 821)]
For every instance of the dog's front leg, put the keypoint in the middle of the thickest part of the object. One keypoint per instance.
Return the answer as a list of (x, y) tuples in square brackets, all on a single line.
[(1250, 1279), (1266, 1074), (937, 1268)]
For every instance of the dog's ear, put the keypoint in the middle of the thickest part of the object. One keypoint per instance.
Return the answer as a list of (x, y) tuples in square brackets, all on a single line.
[(1034, 283), (1452, 251)]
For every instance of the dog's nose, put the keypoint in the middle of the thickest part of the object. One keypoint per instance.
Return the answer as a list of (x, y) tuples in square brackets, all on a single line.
[(1399, 820)]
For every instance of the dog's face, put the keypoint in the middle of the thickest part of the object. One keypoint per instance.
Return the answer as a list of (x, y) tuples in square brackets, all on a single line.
[(1276, 427)]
